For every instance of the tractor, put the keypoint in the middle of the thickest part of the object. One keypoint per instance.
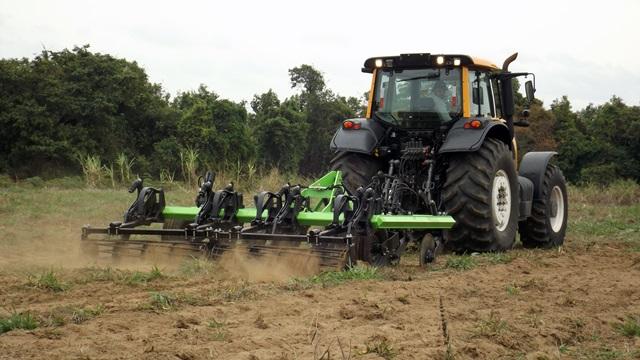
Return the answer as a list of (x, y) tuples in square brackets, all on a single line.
[(434, 161)]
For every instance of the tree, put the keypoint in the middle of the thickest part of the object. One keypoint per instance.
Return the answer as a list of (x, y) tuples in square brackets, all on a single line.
[(217, 128), (278, 129), (70, 102)]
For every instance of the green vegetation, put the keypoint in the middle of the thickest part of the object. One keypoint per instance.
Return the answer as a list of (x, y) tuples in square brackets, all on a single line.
[(380, 346), (72, 112), (47, 281), (460, 262), (17, 320), (139, 277), (197, 266), (491, 326), (630, 328), (162, 301), (81, 315), (332, 278), (236, 292)]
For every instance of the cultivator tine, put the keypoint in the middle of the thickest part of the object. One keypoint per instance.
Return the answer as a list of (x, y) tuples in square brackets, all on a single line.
[(304, 250)]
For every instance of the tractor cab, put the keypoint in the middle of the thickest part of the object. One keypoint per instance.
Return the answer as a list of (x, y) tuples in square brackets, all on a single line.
[(427, 91)]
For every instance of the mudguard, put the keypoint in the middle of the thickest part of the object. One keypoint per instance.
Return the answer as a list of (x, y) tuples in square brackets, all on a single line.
[(533, 166), (460, 139), (362, 140)]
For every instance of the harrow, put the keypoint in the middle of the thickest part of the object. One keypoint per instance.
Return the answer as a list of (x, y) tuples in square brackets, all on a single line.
[(320, 223)]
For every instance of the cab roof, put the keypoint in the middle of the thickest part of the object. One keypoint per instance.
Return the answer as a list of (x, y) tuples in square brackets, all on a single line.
[(421, 60)]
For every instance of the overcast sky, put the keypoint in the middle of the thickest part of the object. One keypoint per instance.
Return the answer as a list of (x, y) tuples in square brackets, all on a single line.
[(584, 49)]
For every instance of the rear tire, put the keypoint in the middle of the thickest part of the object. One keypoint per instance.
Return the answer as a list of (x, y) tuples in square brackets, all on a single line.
[(547, 225), (481, 193), (357, 169)]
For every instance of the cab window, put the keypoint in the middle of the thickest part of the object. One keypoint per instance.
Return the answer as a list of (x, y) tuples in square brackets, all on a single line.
[(481, 94)]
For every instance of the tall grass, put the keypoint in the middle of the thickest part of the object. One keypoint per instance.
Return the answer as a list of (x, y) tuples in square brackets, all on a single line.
[(620, 192), (189, 165), (110, 174), (91, 168), (124, 166)]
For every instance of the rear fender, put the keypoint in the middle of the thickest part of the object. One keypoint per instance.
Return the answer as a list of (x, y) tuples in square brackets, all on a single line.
[(533, 166), (460, 139), (362, 140)]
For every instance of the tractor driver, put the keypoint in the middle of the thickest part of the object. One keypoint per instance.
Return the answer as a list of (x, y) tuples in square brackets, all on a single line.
[(440, 96)]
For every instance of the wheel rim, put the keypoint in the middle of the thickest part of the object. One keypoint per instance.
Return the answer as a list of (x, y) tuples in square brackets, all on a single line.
[(557, 202), (501, 200)]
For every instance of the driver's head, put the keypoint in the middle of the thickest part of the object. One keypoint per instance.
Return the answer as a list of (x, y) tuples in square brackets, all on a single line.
[(440, 89)]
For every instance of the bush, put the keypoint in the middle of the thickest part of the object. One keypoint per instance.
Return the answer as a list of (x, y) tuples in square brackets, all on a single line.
[(35, 181)]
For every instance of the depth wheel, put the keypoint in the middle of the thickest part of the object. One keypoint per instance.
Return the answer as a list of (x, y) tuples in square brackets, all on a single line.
[(481, 193), (547, 225)]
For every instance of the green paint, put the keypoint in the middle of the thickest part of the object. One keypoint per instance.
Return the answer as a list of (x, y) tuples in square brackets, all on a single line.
[(321, 194)]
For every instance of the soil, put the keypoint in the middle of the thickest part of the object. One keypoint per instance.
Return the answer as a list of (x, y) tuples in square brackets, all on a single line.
[(529, 304)]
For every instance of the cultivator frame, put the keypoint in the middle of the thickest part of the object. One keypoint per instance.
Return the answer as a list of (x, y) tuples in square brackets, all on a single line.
[(335, 227)]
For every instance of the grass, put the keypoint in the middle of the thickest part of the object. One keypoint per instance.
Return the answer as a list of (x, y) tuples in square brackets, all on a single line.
[(495, 258), (380, 346), (236, 292), (47, 281), (490, 327), (80, 315), (333, 278), (162, 301), (197, 266), (513, 289), (140, 277), (17, 320), (630, 327), (460, 262)]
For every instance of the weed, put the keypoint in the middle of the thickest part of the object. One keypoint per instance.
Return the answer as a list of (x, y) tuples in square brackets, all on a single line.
[(196, 266), (379, 345), (81, 315), (237, 292), (219, 335), (513, 289), (189, 165), (213, 324), (162, 301), (499, 258), (630, 328), (138, 277), (101, 274), (47, 281), (124, 166), (460, 262), (167, 177), (17, 320), (110, 173), (492, 326), (332, 278), (193, 300), (92, 169)]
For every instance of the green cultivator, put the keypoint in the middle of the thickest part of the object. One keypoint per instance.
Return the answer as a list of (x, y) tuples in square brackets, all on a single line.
[(434, 161), (319, 222)]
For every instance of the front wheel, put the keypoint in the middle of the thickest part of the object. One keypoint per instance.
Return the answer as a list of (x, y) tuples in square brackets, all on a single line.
[(547, 225)]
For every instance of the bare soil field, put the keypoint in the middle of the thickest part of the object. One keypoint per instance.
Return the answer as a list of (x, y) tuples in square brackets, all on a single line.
[(581, 301)]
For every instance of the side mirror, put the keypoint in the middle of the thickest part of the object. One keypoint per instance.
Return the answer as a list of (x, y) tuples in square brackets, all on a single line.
[(529, 90), (477, 96)]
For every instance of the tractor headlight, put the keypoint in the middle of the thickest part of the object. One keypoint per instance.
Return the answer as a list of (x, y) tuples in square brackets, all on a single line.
[(456, 61), (378, 63), (440, 60)]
